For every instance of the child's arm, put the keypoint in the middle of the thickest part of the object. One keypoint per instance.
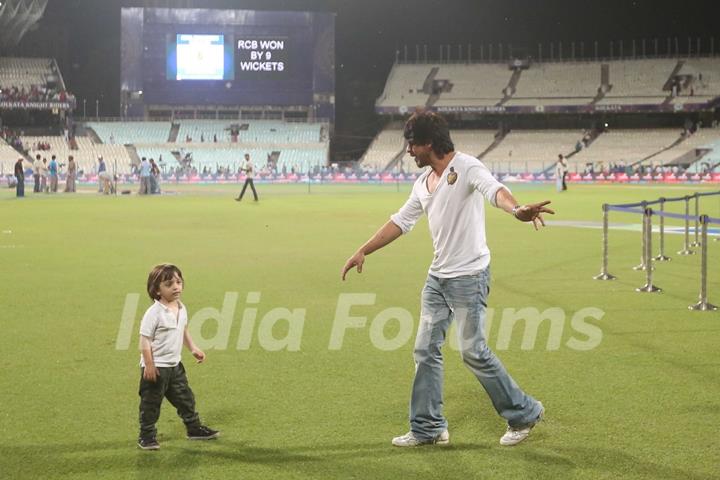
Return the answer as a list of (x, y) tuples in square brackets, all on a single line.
[(151, 372), (188, 341)]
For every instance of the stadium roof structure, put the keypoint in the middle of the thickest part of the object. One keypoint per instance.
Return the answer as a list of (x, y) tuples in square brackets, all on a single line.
[(16, 18)]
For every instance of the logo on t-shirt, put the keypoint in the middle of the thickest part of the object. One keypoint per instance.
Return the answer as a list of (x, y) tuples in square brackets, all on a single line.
[(452, 176)]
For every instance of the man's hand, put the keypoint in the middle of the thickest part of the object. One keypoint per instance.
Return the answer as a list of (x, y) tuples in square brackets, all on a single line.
[(151, 374), (199, 355), (356, 260), (533, 213)]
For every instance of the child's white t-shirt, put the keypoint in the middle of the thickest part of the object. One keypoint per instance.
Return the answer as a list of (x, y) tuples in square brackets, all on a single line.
[(166, 331)]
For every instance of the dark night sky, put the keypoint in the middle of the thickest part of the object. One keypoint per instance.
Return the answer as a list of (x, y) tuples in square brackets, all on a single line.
[(84, 35)]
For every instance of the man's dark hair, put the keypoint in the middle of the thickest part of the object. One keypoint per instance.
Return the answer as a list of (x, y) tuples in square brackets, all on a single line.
[(425, 128)]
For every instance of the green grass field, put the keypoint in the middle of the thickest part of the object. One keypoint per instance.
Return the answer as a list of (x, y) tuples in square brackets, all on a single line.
[(645, 403)]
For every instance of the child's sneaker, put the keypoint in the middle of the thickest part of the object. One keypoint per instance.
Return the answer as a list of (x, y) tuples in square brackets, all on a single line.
[(202, 433), (148, 443)]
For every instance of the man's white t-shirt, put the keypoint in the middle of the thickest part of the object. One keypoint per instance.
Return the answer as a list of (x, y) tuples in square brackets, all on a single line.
[(249, 170), (456, 215), (166, 332)]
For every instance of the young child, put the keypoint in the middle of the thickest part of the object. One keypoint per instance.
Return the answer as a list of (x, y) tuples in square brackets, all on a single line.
[(163, 332)]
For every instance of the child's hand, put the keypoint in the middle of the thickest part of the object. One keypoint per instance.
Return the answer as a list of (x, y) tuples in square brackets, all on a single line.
[(199, 355), (151, 374)]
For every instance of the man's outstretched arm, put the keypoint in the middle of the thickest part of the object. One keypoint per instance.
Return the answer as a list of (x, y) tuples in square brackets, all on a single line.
[(525, 213), (387, 234)]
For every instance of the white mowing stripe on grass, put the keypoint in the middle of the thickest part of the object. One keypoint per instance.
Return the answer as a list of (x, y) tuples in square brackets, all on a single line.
[(628, 227)]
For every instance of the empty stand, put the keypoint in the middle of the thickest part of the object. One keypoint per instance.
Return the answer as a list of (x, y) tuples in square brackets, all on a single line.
[(531, 150), (628, 146), (8, 157), (560, 80), (24, 72), (472, 85), (383, 149), (404, 86), (628, 82), (131, 132), (302, 146)]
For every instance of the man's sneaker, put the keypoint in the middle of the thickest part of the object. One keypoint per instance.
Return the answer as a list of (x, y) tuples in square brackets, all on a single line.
[(148, 443), (410, 440), (202, 433), (513, 436)]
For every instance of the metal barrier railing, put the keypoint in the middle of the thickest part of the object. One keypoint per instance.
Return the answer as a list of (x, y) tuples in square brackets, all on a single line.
[(643, 265), (647, 254), (703, 303), (661, 257), (686, 246), (647, 259), (604, 274)]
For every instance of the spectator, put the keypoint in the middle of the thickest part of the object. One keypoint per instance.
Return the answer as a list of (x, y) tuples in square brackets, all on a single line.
[(20, 177), (53, 169), (44, 176), (71, 175), (561, 171), (36, 93), (103, 176), (37, 167), (145, 176), (154, 177)]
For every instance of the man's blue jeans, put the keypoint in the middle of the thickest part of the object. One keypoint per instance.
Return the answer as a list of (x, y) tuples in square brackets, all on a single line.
[(20, 187), (465, 300)]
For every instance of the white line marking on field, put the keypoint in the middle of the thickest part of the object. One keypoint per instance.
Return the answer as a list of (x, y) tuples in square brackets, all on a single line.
[(628, 227)]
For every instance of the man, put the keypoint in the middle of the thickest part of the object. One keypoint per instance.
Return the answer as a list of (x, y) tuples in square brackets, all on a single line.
[(71, 175), (559, 175), (145, 177), (20, 177), (53, 169), (102, 174), (37, 166), (154, 177), (44, 176), (249, 178), (449, 192)]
